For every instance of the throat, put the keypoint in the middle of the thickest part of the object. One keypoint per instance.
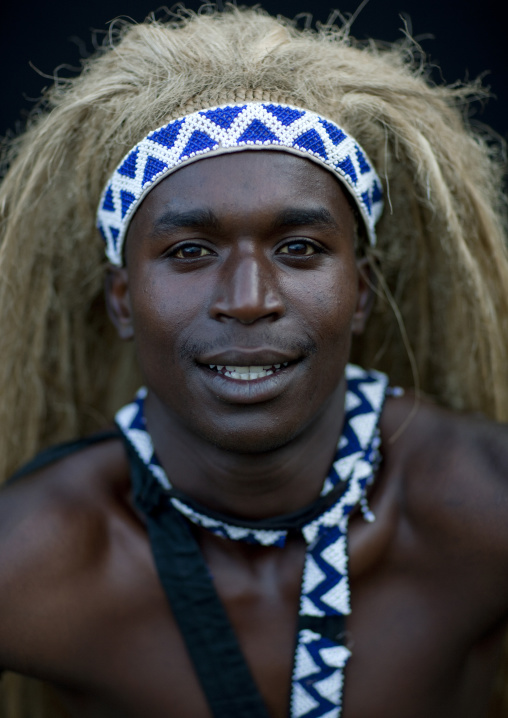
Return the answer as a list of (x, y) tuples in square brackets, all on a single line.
[(248, 486), (256, 488)]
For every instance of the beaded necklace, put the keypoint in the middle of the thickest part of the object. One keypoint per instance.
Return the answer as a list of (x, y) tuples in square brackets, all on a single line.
[(321, 651)]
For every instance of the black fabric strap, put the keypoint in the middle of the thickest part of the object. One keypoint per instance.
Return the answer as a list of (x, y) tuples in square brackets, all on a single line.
[(55, 453), (208, 634)]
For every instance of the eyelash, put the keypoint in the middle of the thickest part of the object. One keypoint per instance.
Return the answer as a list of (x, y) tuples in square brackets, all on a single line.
[(316, 249), (182, 247)]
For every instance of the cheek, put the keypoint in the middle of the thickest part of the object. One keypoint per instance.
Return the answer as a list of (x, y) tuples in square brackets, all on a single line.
[(163, 313), (328, 303)]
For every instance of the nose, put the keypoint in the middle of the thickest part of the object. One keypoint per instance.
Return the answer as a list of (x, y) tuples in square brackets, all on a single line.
[(247, 289)]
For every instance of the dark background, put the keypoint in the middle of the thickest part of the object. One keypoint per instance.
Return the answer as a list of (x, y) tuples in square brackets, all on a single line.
[(465, 38)]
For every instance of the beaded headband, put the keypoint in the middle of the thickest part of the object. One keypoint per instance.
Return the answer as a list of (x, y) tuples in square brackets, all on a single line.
[(232, 128)]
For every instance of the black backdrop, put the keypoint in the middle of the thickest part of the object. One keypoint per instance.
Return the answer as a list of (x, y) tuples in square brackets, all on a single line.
[(466, 37)]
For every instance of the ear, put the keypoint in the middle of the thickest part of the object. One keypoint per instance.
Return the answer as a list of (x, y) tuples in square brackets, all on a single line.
[(365, 296), (118, 301)]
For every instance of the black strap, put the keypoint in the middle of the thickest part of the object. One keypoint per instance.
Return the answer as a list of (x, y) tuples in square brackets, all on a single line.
[(202, 619), (55, 453)]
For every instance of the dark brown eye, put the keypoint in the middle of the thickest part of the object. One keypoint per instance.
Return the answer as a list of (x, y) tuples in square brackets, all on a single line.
[(191, 251), (298, 249)]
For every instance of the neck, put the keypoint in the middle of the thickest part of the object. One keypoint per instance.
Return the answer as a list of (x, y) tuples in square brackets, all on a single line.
[(248, 485)]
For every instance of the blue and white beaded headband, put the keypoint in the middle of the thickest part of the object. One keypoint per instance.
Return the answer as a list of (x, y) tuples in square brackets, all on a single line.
[(232, 128)]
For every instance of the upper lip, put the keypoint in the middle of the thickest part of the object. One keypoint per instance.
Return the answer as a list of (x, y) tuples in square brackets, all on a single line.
[(248, 357)]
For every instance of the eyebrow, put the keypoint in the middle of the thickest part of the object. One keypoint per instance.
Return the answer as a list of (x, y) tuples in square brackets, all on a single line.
[(170, 220), (299, 217), (200, 218)]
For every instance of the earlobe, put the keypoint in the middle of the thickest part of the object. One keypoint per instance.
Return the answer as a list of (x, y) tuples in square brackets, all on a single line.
[(365, 296), (118, 301)]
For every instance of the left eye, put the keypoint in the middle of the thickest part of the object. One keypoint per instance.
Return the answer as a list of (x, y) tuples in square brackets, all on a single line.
[(190, 251), (298, 249)]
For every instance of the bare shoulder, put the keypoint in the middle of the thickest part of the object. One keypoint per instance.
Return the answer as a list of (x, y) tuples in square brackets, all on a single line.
[(412, 422), (453, 472), (449, 446), (71, 495), (55, 530)]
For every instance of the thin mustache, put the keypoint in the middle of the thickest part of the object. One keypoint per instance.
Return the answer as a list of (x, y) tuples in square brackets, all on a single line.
[(190, 350)]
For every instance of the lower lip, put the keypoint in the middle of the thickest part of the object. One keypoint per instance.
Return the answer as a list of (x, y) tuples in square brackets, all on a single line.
[(252, 391)]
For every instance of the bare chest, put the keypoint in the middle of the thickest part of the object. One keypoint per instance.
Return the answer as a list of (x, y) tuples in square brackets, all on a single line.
[(408, 648)]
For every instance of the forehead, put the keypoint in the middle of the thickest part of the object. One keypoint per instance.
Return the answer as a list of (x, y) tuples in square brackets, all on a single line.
[(243, 184)]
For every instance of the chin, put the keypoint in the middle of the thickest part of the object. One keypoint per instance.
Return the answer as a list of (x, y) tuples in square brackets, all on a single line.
[(240, 441)]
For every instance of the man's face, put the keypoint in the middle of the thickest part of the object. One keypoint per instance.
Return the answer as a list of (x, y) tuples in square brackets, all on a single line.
[(242, 292)]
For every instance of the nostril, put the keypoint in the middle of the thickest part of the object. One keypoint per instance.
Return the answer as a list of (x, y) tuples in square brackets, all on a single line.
[(246, 314), (247, 293)]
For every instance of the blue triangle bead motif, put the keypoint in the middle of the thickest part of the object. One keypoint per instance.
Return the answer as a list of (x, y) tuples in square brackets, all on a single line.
[(108, 203), (377, 195), (334, 133), (114, 233), (223, 116), (348, 167), (167, 136), (364, 165), (128, 168), (258, 132), (198, 142), (312, 141), (126, 198), (367, 202), (153, 167), (285, 115)]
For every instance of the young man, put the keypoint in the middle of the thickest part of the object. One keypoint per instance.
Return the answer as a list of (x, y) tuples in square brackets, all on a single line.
[(269, 531)]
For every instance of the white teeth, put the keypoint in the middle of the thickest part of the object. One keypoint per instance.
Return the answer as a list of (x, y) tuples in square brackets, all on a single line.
[(247, 373), (248, 369), (238, 369)]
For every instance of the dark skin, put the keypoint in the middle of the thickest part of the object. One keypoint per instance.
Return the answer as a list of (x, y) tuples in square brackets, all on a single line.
[(249, 259)]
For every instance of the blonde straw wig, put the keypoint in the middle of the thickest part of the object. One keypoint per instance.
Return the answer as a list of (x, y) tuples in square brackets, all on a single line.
[(441, 312)]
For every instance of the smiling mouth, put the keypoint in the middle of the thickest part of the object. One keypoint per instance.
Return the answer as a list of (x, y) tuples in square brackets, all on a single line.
[(247, 373)]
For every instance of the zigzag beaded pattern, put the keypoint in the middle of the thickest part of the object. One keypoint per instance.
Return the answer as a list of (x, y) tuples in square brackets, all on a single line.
[(231, 128), (318, 673)]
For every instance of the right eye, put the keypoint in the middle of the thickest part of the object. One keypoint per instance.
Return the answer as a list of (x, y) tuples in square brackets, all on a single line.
[(190, 251), (299, 248)]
